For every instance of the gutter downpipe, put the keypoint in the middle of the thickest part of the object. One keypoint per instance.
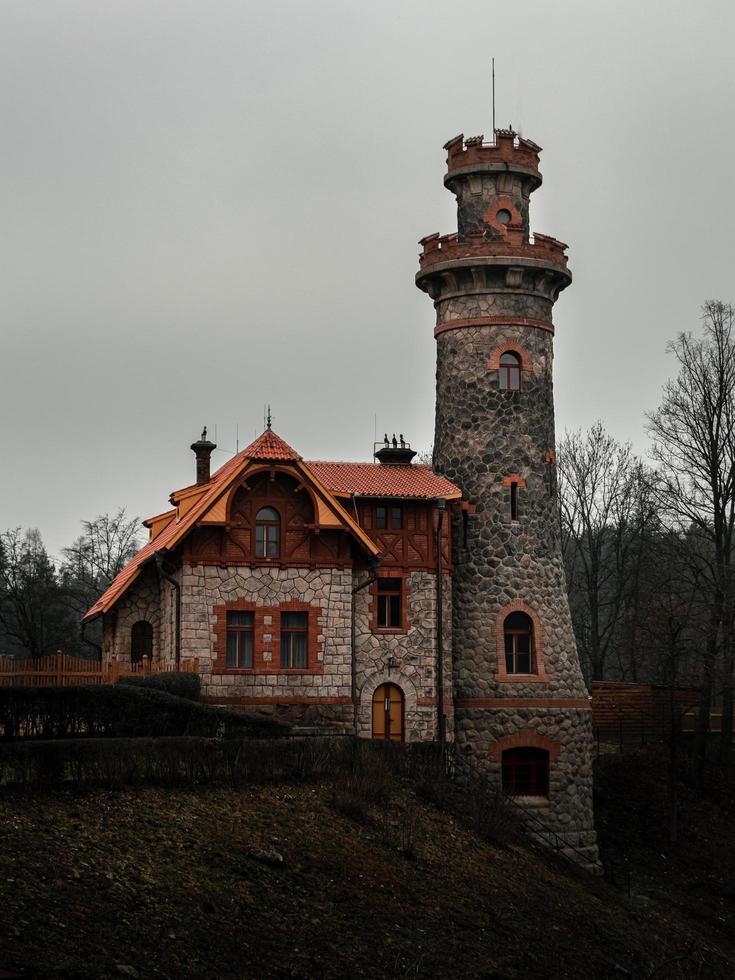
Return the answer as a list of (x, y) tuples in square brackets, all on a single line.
[(373, 566), (441, 726), (159, 557)]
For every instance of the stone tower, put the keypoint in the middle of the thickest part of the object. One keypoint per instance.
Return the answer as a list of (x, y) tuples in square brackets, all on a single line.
[(521, 707)]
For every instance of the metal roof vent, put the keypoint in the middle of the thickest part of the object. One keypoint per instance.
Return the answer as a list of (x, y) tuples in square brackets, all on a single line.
[(395, 452)]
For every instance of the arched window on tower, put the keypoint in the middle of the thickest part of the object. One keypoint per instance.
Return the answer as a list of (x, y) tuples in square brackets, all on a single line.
[(509, 373), (141, 641), (518, 632), (267, 533), (526, 771)]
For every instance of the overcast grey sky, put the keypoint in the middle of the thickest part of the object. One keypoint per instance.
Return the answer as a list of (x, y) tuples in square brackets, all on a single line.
[(208, 205)]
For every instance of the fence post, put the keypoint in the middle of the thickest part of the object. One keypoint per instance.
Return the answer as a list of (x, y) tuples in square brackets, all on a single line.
[(620, 728), (114, 671), (59, 667)]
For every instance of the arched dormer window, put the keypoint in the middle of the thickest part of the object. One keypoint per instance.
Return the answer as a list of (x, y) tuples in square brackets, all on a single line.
[(267, 533), (518, 634), (526, 771), (141, 641), (509, 371)]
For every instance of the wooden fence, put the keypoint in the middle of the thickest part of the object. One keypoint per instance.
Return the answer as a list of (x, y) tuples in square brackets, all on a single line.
[(641, 713), (59, 669)]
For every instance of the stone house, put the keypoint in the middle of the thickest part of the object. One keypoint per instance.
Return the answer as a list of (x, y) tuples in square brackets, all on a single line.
[(392, 599), (306, 589)]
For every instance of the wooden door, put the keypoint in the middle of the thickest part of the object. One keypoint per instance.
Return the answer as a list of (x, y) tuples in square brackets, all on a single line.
[(388, 713)]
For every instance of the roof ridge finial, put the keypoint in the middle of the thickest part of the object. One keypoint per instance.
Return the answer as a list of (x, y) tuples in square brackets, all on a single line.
[(268, 419)]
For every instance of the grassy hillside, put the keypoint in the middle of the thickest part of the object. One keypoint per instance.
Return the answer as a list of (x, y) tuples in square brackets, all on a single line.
[(183, 883)]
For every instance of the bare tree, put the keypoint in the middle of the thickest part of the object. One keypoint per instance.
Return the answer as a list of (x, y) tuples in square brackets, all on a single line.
[(606, 512), (694, 445), (33, 620), (106, 545)]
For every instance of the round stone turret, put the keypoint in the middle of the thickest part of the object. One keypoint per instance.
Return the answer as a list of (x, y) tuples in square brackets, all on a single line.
[(518, 686)]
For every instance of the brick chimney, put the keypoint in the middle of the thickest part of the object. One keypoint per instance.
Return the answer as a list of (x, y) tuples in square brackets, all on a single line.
[(203, 450)]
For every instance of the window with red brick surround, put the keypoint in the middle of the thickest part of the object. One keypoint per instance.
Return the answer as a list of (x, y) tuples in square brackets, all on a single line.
[(538, 673), (524, 739), (510, 347), (389, 605), (266, 644)]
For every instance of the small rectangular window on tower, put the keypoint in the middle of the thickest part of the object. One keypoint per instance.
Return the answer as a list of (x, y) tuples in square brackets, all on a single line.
[(381, 518), (514, 501)]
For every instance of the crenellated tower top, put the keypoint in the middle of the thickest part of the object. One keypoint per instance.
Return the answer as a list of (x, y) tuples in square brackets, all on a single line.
[(493, 252)]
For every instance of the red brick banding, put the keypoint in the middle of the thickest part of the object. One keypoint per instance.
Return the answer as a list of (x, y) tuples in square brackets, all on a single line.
[(514, 478), (539, 676), (493, 321), (261, 629), (561, 704)]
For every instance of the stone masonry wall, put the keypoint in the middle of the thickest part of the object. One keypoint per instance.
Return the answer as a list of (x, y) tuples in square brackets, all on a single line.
[(143, 601), (304, 697), (406, 659), (484, 435)]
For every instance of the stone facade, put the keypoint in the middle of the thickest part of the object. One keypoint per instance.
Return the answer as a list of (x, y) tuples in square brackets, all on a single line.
[(493, 290), (407, 659), (322, 693), (492, 293)]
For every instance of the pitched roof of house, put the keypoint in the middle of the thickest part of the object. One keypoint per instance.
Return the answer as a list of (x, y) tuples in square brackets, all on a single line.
[(378, 480), (270, 446), (193, 502)]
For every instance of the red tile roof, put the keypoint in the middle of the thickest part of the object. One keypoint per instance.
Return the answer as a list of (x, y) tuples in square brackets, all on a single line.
[(269, 446), (122, 579), (365, 479), (378, 480)]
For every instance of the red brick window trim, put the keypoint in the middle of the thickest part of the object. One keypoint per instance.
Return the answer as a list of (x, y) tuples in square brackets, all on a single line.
[(525, 739), (514, 484), (266, 645), (389, 586), (510, 347), (538, 674)]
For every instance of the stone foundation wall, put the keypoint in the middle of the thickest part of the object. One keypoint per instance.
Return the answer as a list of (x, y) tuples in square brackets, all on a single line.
[(568, 811)]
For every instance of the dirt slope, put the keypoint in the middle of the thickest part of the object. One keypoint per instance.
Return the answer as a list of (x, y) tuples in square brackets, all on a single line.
[(171, 883)]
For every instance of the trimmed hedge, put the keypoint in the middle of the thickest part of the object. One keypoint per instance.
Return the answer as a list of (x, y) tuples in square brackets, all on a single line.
[(183, 685), (166, 761), (120, 711)]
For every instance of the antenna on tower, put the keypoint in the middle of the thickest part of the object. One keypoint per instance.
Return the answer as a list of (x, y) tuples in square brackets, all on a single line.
[(493, 71)]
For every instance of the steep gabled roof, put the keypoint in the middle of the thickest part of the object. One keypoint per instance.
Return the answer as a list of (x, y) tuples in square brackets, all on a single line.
[(192, 503), (270, 447)]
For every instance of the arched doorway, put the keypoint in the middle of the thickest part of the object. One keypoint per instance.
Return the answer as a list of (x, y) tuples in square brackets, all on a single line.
[(388, 713), (141, 642)]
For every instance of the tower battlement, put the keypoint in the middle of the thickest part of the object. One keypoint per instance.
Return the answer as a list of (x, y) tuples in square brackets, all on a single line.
[(508, 150), (448, 248)]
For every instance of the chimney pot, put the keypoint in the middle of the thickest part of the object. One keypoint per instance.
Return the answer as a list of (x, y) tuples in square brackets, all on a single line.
[(203, 449)]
